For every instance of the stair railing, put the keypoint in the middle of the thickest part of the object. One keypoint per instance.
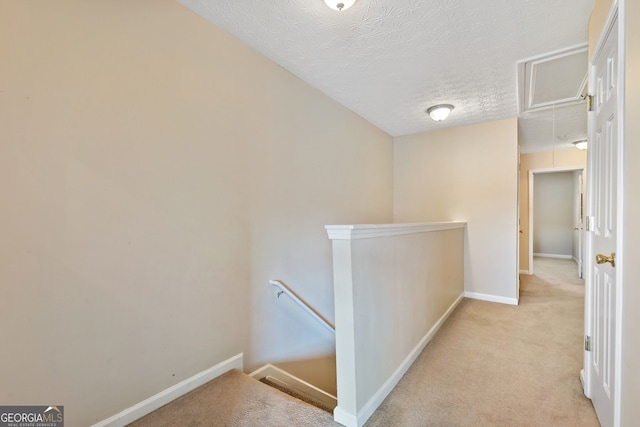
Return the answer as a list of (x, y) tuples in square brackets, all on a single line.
[(283, 289)]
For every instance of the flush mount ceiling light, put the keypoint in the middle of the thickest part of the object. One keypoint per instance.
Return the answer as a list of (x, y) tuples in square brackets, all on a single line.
[(581, 144), (339, 4), (439, 112)]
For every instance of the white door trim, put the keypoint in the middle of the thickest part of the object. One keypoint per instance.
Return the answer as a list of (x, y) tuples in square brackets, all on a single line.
[(622, 23), (532, 172)]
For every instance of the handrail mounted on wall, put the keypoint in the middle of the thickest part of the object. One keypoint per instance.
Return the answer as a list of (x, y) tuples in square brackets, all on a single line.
[(283, 289)]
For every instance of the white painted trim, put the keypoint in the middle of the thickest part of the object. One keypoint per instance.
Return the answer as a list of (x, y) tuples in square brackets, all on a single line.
[(170, 394), (530, 230), (526, 272), (349, 420), (345, 418), (555, 53), (491, 298), (294, 383), (589, 209), (559, 256), (554, 170), (365, 231), (584, 389), (620, 233)]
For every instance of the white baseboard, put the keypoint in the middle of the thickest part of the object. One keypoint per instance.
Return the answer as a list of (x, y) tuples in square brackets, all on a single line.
[(583, 382), (347, 419), (294, 383), (149, 405), (560, 256), (491, 298)]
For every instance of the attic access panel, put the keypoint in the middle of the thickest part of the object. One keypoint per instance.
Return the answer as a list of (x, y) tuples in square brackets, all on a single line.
[(553, 80)]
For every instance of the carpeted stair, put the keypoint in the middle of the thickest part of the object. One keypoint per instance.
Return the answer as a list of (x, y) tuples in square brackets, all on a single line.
[(293, 393), (235, 399)]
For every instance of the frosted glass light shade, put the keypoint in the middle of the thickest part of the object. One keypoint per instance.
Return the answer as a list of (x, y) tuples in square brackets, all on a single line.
[(339, 4), (439, 112)]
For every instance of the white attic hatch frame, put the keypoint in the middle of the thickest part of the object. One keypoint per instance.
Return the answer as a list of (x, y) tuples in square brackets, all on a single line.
[(553, 80)]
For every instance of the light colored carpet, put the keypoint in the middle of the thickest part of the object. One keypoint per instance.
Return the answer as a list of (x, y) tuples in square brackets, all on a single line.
[(499, 365), (236, 400), (490, 365)]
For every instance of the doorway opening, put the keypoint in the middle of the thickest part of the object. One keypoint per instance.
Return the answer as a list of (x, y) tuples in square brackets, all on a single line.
[(556, 215)]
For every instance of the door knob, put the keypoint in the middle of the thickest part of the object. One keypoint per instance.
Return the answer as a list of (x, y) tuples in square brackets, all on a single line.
[(601, 259)]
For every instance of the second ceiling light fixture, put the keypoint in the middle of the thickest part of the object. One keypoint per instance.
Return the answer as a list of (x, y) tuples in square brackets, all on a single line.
[(339, 4)]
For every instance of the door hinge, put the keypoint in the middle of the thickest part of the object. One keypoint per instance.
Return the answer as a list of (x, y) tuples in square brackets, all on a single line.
[(587, 343), (590, 221), (589, 99)]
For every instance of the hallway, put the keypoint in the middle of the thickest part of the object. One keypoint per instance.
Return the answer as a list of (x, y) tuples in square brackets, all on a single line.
[(494, 364), (557, 271)]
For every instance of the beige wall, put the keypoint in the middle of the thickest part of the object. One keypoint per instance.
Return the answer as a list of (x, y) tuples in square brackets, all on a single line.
[(155, 173), (560, 159), (312, 163), (628, 268), (466, 174)]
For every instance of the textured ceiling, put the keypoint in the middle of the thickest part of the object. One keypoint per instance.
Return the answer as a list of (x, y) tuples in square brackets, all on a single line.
[(388, 60)]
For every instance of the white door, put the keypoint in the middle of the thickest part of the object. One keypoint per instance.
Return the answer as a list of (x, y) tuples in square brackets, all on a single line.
[(603, 156)]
